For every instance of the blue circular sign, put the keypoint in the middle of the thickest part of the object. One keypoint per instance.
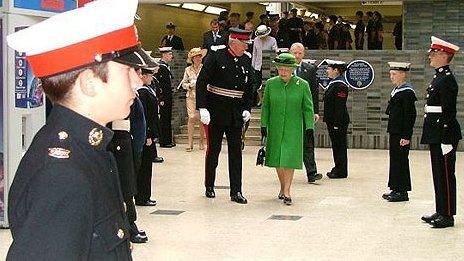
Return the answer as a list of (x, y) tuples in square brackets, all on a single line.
[(321, 74), (359, 74)]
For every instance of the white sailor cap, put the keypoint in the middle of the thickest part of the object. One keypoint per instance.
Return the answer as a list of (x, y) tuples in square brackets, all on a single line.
[(336, 64), (399, 66), (282, 50), (81, 37), (165, 49), (442, 45)]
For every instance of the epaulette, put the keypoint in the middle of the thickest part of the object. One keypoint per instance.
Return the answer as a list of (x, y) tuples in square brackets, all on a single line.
[(247, 54), (217, 47)]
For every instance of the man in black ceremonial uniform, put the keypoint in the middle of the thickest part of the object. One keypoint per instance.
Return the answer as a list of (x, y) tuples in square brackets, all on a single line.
[(65, 201), (401, 113), (224, 97), (442, 132), (171, 39), (307, 71), (164, 77), (337, 118)]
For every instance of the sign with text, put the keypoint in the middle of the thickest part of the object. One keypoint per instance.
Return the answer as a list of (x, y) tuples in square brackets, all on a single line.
[(321, 74), (359, 74), (57, 6), (28, 89)]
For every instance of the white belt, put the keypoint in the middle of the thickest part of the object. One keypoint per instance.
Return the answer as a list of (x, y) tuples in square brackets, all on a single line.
[(122, 125), (432, 109)]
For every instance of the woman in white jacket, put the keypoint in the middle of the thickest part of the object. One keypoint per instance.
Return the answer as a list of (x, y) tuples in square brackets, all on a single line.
[(195, 57)]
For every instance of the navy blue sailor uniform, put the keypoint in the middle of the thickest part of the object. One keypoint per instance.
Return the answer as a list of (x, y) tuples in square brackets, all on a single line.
[(68, 168), (337, 119), (164, 78), (402, 114), (441, 127), (224, 87), (148, 98)]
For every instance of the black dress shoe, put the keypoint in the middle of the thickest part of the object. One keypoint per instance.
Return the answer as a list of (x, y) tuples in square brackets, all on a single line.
[(288, 201), (313, 177), (149, 203), (386, 195), (429, 218), (335, 176), (442, 221), (281, 196), (398, 197), (168, 145), (137, 239), (158, 160), (209, 193), (239, 198), (142, 233)]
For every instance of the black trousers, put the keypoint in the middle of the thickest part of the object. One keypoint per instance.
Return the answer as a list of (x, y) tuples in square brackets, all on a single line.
[(308, 154), (165, 123), (444, 179), (144, 175), (214, 134), (399, 178), (121, 147), (339, 149)]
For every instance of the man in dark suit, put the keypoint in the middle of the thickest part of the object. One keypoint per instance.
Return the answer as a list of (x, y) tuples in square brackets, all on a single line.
[(442, 132), (214, 36), (171, 39), (401, 111), (164, 94), (307, 71), (65, 201)]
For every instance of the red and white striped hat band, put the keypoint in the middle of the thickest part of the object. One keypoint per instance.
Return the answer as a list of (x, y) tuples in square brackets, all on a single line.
[(97, 32), (442, 45), (83, 53)]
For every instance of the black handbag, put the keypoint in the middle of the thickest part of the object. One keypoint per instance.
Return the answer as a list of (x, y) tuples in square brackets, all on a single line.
[(261, 153)]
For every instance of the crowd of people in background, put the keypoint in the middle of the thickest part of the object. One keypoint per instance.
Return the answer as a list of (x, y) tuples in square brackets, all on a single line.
[(322, 33)]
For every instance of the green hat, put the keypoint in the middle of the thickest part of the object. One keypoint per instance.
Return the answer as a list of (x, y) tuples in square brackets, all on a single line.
[(285, 60)]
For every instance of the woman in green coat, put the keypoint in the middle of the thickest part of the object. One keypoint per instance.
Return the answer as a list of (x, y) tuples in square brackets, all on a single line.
[(286, 115)]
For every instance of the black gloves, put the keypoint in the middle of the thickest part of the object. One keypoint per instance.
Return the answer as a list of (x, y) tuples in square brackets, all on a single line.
[(263, 132)]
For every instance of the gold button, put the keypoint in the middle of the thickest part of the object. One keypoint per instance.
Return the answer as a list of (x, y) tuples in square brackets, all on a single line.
[(120, 233), (118, 148), (62, 135)]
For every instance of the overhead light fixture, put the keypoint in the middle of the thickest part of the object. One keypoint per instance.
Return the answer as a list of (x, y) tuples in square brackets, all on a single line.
[(265, 3), (194, 6), (174, 5), (214, 10)]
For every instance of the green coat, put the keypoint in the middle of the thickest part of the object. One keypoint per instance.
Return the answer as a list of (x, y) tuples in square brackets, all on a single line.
[(284, 110)]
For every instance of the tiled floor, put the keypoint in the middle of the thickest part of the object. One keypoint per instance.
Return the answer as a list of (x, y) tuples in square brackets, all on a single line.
[(339, 219)]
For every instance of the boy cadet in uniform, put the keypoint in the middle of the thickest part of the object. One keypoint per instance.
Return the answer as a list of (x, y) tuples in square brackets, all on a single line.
[(401, 113), (442, 132), (65, 202), (224, 97)]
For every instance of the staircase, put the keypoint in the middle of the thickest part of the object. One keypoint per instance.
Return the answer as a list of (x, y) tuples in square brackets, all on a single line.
[(252, 137)]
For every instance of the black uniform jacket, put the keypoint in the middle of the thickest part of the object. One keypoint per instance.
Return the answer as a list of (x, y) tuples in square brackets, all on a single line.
[(335, 111), (442, 127), (176, 42), (402, 111), (164, 77), (224, 70), (208, 39), (65, 202), (150, 106), (307, 71)]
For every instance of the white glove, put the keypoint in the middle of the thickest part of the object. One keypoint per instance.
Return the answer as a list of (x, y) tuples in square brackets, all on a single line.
[(446, 148), (246, 116), (205, 118)]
